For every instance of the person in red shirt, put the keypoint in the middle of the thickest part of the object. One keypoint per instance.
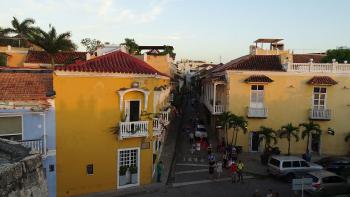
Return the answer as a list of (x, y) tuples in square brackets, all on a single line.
[(234, 171)]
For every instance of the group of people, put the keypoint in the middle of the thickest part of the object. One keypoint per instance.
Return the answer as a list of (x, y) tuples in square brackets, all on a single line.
[(236, 168)]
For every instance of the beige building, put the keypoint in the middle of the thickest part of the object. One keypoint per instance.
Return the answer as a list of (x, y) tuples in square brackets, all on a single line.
[(272, 87)]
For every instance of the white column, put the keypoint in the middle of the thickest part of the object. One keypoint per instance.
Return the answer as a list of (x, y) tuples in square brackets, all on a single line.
[(214, 92)]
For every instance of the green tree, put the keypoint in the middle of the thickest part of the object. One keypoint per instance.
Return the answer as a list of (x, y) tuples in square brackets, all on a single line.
[(132, 46), (22, 29), (238, 123), (267, 134), (309, 129), (51, 42), (289, 131), (340, 54), (91, 44), (225, 120)]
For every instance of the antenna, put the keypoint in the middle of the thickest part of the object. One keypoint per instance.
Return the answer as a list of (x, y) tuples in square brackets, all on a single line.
[(220, 59)]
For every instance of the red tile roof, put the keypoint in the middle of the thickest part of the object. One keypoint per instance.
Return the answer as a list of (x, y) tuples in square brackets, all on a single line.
[(16, 86), (252, 63), (115, 62), (258, 79), (305, 58), (60, 58), (322, 80)]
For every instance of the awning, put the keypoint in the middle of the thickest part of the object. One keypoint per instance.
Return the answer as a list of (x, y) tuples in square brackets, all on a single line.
[(258, 79), (322, 80)]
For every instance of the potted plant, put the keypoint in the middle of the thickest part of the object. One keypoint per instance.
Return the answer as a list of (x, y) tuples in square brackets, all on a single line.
[(133, 172), (123, 180)]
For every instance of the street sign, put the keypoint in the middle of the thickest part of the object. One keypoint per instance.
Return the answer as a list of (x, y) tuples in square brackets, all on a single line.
[(302, 184)]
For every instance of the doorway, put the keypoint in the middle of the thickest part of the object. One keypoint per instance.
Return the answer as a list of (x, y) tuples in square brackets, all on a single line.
[(254, 142), (134, 110), (128, 167), (315, 143)]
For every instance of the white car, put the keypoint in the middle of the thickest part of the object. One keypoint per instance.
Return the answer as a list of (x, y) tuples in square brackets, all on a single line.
[(201, 131)]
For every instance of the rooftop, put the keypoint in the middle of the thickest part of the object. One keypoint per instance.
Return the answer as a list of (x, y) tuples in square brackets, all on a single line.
[(64, 58), (268, 40), (24, 85), (114, 62)]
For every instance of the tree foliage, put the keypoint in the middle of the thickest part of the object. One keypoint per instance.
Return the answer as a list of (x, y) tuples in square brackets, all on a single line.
[(309, 129), (52, 42), (347, 137), (340, 54), (267, 134), (91, 44), (132, 46), (289, 131), (238, 123), (21, 29), (225, 120)]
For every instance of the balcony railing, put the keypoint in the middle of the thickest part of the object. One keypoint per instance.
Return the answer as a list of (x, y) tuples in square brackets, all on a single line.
[(156, 124), (219, 109), (165, 116), (257, 112), (320, 67), (133, 129), (320, 114), (36, 145)]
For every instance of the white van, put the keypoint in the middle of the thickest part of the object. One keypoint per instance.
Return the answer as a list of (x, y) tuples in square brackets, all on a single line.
[(290, 166)]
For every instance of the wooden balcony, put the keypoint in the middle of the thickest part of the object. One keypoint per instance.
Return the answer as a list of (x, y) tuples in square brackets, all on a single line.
[(257, 112), (157, 127), (164, 115), (133, 129), (219, 109), (320, 114), (36, 145)]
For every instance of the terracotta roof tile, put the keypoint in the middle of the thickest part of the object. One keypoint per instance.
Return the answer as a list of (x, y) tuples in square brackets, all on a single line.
[(60, 58), (258, 79), (252, 63), (115, 62), (25, 86), (305, 58), (322, 80)]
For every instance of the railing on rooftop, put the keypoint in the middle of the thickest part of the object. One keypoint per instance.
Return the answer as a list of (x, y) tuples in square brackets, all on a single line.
[(334, 67)]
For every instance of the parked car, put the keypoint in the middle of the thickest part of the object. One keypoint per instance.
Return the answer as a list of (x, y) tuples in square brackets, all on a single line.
[(338, 165), (289, 166), (327, 183), (201, 131)]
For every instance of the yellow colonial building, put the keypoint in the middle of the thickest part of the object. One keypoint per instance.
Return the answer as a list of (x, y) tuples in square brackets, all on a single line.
[(272, 87), (111, 114)]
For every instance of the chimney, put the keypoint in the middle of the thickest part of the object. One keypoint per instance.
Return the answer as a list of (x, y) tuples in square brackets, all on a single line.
[(88, 56)]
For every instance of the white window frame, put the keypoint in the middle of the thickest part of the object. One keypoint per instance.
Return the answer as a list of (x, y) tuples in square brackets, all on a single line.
[(319, 93), (127, 108), (257, 104), (22, 125), (138, 167)]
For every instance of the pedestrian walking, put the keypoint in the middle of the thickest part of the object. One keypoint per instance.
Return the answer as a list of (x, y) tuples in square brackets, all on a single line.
[(211, 159), (224, 159), (159, 171), (233, 172), (218, 168), (191, 135), (209, 149), (240, 167)]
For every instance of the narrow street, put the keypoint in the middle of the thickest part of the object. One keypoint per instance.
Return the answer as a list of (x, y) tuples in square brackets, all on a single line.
[(190, 176)]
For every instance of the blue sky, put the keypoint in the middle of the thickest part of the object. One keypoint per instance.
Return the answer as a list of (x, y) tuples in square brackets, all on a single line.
[(198, 29)]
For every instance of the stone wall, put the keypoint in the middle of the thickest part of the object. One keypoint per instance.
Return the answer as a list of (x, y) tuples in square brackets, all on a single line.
[(21, 173)]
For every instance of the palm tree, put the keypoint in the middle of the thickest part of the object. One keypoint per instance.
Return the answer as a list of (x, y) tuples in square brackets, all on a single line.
[(269, 135), (225, 120), (238, 123), (51, 42), (289, 131), (22, 29), (310, 128)]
